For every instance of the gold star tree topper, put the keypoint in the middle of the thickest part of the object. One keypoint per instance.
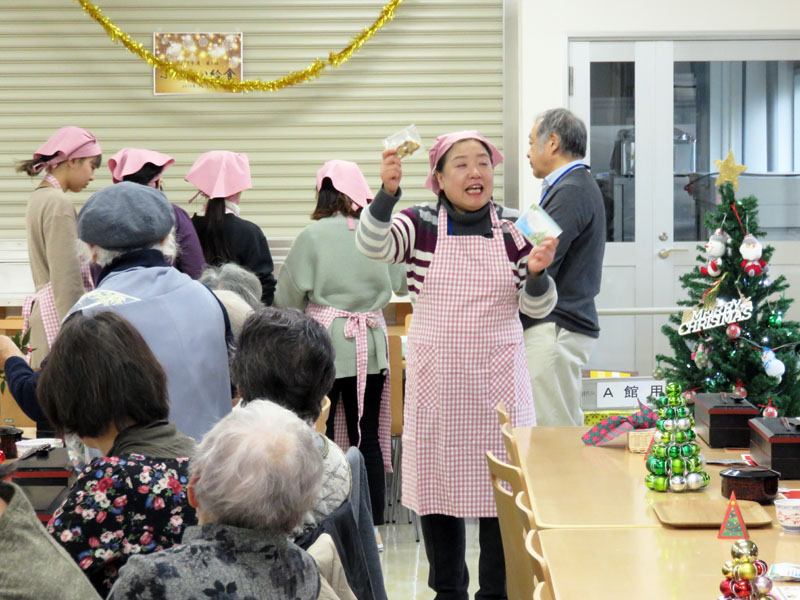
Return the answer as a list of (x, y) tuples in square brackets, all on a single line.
[(729, 170)]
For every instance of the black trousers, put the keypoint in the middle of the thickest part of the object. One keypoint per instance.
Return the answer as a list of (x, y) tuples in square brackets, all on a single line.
[(446, 545), (346, 389)]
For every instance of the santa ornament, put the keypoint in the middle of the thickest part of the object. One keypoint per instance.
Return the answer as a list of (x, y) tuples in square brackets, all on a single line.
[(715, 248), (751, 251)]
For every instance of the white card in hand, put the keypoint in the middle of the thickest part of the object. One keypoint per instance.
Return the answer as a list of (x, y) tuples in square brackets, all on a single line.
[(535, 224)]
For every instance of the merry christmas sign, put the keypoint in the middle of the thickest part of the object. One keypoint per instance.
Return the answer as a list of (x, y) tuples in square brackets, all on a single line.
[(725, 313)]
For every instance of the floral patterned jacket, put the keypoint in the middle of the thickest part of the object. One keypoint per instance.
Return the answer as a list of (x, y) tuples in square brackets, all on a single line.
[(122, 506), (224, 563)]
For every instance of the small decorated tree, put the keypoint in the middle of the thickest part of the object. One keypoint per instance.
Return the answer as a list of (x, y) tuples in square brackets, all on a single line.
[(733, 336), (674, 462), (745, 575)]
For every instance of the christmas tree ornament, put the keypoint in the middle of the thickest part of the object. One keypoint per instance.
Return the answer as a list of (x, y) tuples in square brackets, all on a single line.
[(715, 249), (739, 389), (733, 331), (769, 412), (751, 251), (775, 319), (772, 365), (689, 396), (742, 588), (727, 569), (762, 585), (744, 548), (677, 483), (745, 570), (694, 481), (661, 484), (726, 587), (673, 389), (658, 372), (2, 456), (729, 171), (761, 569), (700, 357)]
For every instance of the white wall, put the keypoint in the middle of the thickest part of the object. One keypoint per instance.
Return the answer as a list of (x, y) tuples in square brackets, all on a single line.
[(544, 28)]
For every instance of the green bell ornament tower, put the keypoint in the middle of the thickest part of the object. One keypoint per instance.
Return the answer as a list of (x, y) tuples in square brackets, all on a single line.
[(674, 462)]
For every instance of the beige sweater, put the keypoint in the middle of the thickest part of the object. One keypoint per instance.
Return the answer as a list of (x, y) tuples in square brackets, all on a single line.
[(52, 234)]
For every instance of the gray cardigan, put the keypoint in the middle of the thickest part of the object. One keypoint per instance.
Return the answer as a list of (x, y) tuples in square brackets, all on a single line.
[(577, 206)]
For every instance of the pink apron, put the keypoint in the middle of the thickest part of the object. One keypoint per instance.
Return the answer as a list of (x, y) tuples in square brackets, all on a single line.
[(465, 354), (356, 327)]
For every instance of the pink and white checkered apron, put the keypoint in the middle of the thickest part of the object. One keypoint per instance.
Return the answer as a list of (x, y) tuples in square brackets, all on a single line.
[(465, 354), (45, 300), (356, 327)]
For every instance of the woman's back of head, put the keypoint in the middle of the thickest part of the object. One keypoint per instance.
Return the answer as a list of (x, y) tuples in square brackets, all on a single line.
[(100, 372)]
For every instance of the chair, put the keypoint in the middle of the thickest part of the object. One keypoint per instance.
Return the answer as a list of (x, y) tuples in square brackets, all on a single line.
[(542, 592), (502, 414), (512, 450), (539, 565), (408, 321), (397, 386), (322, 420), (519, 571), (527, 520)]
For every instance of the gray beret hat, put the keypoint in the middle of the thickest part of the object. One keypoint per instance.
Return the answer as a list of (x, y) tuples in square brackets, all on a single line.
[(125, 215)]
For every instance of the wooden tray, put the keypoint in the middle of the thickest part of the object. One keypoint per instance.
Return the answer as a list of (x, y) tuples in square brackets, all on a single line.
[(702, 512)]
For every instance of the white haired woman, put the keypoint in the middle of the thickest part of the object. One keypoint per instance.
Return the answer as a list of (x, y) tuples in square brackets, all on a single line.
[(254, 476)]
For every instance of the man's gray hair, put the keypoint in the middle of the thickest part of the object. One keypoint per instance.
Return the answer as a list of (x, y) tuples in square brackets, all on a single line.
[(168, 247), (570, 130), (258, 468), (235, 278)]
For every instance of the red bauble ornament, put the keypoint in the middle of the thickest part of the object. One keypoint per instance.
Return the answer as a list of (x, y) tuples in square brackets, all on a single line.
[(2, 456), (733, 331), (761, 567), (740, 390), (742, 588), (726, 587), (769, 412)]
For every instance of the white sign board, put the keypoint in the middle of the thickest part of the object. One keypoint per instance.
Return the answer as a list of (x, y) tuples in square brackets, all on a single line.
[(627, 394)]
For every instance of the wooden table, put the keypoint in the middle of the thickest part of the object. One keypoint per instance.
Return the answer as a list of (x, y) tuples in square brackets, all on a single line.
[(653, 563), (600, 535), (577, 486)]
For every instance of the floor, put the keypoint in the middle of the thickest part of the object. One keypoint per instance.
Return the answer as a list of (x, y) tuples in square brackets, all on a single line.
[(405, 567)]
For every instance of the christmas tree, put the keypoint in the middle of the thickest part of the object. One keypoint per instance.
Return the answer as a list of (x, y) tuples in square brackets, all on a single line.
[(733, 337), (674, 462)]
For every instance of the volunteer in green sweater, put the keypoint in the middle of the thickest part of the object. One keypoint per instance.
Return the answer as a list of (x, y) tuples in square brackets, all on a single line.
[(327, 277)]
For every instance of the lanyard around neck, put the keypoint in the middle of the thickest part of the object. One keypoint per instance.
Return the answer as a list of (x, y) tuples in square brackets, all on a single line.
[(559, 178)]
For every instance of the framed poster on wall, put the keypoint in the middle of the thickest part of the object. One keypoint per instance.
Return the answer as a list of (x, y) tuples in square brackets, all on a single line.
[(214, 54)]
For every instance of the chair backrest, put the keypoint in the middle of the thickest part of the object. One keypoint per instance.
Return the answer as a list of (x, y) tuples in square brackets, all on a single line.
[(322, 420), (542, 592), (526, 518), (510, 441), (408, 321), (396, 383), (519, 574), (502, 414), (540, 569)]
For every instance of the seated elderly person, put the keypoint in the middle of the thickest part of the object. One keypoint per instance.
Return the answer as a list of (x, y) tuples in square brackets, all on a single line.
[(234, 278), (103, 384), (286, 356), (254, 476), (34, 565)]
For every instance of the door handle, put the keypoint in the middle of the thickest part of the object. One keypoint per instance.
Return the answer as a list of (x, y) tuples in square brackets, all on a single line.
[(664, 252)]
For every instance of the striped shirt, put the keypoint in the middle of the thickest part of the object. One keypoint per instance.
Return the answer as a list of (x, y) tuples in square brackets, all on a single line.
[(410, 237)]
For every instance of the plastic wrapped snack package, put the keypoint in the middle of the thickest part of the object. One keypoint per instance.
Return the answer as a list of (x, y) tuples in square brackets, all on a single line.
[(406, 141), (535, 224)]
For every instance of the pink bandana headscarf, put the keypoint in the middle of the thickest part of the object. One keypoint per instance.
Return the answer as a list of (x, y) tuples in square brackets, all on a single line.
[(444, 142), (130, 160), (348, 179), (68, 142), (220, 174)]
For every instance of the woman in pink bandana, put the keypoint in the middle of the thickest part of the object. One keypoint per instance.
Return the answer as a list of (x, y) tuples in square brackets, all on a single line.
[(469, 273), (325, 276), (68, 161), (147, 167), (220, 177)]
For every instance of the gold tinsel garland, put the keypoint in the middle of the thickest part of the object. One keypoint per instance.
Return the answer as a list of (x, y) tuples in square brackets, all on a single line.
[(176, 71)]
